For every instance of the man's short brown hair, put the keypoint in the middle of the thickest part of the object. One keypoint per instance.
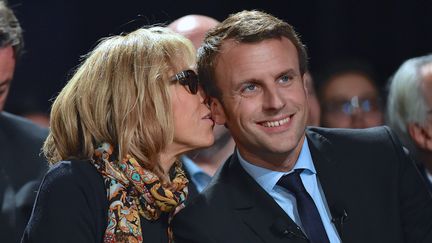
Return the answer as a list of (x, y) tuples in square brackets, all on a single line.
[(243, 27)]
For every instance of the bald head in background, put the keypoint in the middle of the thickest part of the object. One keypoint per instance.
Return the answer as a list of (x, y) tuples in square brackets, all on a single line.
[(193, 27)]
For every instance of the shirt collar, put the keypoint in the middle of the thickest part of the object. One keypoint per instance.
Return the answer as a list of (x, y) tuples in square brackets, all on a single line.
[(267, 179), (192, 168), (428, 175)]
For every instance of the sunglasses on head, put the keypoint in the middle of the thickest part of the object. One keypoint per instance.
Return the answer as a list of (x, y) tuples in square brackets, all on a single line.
[(187, 78)]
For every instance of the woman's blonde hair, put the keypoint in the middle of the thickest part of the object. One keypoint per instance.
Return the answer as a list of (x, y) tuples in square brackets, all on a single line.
[(120, 95)]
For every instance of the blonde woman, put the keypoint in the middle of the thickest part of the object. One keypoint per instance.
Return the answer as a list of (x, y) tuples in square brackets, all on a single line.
[(117, 129)]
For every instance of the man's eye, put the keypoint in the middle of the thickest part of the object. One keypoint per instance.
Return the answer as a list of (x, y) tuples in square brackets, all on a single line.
[(249, 88), (285, 78)]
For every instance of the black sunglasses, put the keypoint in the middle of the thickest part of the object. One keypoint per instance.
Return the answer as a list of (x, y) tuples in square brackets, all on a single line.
[(189, 78)]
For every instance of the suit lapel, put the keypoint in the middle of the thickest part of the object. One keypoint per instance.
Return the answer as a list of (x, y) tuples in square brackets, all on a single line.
[(328, 173), (258, 210)]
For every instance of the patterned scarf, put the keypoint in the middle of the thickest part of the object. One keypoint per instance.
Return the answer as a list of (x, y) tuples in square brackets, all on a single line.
[(133, 191)]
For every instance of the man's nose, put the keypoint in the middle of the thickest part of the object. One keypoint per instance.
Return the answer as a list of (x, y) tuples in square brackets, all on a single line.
[(273, 99), (357, 118)]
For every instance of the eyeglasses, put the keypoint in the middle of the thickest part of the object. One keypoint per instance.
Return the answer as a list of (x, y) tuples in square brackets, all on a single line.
[(348, 107), (187, 78)]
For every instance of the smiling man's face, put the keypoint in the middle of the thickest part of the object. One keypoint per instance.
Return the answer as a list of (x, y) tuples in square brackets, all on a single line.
[(264, 102)]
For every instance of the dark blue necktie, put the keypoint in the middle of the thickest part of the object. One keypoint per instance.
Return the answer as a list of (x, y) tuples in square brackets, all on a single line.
[(308, 212)]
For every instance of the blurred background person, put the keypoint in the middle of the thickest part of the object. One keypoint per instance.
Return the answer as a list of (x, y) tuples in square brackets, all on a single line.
[(349, 96), (202, 164), (194, 27), (409, 110), (117, 129), (21, 166)]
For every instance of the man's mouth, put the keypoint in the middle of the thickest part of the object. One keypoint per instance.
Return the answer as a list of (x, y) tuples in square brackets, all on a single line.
[(276, 123)]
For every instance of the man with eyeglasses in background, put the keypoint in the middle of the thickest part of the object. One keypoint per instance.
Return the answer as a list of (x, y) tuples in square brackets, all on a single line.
[(349, 96)]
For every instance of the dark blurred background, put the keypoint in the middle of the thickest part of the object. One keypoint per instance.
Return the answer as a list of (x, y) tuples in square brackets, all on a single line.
[(57, 33)]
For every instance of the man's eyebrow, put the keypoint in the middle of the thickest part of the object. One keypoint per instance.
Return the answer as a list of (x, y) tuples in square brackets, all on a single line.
[(246, 81), (289, 71)]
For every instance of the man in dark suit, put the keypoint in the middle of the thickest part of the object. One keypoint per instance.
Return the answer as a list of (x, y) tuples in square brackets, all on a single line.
[(21, 166), (286, 183), (409, 110)]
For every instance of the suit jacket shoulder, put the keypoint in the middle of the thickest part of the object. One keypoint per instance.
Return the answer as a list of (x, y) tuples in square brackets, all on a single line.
[(12, 123), (20, 149), (367, 173)]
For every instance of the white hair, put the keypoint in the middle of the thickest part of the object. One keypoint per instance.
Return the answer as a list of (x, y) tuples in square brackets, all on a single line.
[(406, 102)]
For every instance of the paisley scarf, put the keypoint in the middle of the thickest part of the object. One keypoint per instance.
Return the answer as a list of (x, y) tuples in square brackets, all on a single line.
[(132, 192)]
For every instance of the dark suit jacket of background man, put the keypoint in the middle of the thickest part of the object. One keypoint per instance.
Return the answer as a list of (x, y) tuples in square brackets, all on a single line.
[(363, 173), (21, 168)]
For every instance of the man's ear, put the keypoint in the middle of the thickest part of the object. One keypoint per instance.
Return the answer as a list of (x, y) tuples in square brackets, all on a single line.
[(421, 135), (218, 113), (305, 84)]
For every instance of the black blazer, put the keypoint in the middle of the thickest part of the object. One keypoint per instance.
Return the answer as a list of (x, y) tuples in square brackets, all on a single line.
[(21, 168), (72, 206), (364, 173)]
